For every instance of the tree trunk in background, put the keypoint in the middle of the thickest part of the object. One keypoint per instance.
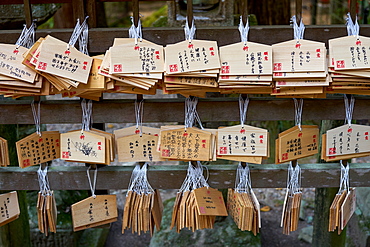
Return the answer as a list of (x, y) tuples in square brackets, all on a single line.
[(16, 233), (267, 12)]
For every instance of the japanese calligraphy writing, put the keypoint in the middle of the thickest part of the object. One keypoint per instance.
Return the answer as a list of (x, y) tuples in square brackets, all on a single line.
[(35, 149), (181, 144), (348, 140)]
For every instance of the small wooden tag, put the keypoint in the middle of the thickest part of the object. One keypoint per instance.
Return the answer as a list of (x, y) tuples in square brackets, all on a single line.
[(186, 57), (348, 208), (210, 202), (347, 139), (92, 212), (138, 148), (11, 58), (35, 149), (242, 141), (189, 144), (9, 207), (83, 147), (294, 144)]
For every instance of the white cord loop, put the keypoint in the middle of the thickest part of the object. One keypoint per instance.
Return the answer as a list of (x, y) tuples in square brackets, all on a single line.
[(77, 32), (298, 106), (190, 111), (36, 116), (189, 32), (139, 181), (298, 30), (83, 39), (344, 177), (139, 110), (86, 114), (135, 32), (244, 30), (243, 108), (92, 185), (353, 29), (243, 179), (194, 178), (349, 109), (294, 179), (27, 37), (42, 175)]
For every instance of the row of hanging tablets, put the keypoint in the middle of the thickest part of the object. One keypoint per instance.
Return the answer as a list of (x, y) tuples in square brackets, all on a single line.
[(140, 143), (295, 68), (195, 207)]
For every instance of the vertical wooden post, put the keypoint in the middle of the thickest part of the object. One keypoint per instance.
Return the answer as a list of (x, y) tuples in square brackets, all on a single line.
[(298, 10), (245, 12), (27, 12), (78, 9), (189, 12), (92, 13), (135, 12)]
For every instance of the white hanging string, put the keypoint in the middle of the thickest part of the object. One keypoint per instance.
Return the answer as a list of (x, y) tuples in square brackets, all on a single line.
[(36, 116), (76, 32), (349, 109), (135, 32), (294, 178), (43, 180), (198, 120), (344, 177), (86, 114), (298, 30), (243, 180), (298, 106), (190, 109), (83, 38), (189, 32), (352, 28), (244, 30), (139, 109), (139, 180), (243, 108), (27, 37), (92, 185)]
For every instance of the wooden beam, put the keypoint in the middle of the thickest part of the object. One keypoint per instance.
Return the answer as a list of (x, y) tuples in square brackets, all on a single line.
[(172, 110), (100, 39), (172, 176)]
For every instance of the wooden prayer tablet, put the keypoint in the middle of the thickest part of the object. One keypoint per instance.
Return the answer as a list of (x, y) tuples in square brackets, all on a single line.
[(338, 157), (345, 140), (299, 56), (350, 52), (246, 59), (295, 143), (198, 143), (210, 202), (193, 81), (4, 153), (142, 212), (138, 147), (143, 57), (92, 212), (242, 141), (11, 63), (9, 207), (35, 149), (55, 58), (245, 210), (83, 147), (191, 56), (347, 208)]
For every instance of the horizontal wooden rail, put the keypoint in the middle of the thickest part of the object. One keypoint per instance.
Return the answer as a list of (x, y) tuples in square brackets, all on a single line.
[(172, 110), (6, 2), (172, 176), (100, 39)]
